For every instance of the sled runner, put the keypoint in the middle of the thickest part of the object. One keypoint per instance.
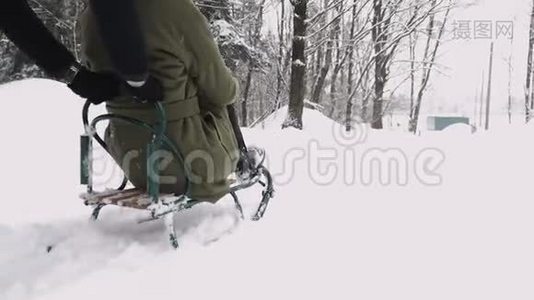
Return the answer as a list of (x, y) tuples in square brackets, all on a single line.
[(250, 172)]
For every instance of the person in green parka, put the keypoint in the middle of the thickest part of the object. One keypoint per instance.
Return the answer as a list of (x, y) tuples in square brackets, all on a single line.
[(197, 88)]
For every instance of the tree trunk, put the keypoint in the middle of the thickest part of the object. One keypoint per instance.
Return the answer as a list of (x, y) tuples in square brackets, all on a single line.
[(348, 108), (481, 102), (428, 63), (244, 110), (378, 37), (528, 83), (365, 101), (280, 67), (255, 39), (510, 70), (488, 96), (380, 84), (413, 41), (324, 68), (317, 62), (297, 88), (414, 120), (321, 77), (336, 43)]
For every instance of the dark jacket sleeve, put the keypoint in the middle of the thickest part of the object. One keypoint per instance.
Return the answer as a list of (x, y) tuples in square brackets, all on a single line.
[(22, 26), (121, 33)]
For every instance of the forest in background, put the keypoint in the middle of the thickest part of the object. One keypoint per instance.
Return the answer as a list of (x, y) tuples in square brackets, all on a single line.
[(347, 58)]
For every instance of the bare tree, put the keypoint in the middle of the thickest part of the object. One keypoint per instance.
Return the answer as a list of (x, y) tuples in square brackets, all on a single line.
[(488, 96), (325, 68), (281, 49), (528, 83), (412, 45), (429, 58), (392, 22), (298, 67), (348, 108), (255, 37), (379, 35), (337, 34), (509, 107)]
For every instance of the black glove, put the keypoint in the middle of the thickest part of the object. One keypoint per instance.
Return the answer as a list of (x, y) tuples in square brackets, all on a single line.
[(150, 91), (96, 87)]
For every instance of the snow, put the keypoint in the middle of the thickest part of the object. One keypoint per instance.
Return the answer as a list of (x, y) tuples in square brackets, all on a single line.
[(299, 63), (454, 222), (226, 33), (458, 129), (225, 29)]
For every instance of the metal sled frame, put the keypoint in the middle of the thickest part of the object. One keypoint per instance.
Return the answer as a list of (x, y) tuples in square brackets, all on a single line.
[(160, 206)]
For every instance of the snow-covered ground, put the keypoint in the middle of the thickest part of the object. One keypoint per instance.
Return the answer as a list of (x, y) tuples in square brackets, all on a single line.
[(371, 215)]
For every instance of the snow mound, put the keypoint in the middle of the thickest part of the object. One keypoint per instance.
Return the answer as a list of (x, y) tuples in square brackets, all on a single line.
[(459, 129), (313, 120)]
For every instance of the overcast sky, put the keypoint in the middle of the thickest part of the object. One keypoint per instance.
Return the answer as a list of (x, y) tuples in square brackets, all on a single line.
[(467, 60)]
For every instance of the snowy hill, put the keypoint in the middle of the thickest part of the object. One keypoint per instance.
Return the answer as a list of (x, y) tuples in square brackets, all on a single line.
[(443, 218), (313, 120)]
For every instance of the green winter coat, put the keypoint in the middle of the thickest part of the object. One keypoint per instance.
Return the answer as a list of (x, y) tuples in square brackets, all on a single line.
[(198, 87)]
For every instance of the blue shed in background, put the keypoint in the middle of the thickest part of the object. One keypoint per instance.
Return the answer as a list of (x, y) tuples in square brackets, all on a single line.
[(437, 123)]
